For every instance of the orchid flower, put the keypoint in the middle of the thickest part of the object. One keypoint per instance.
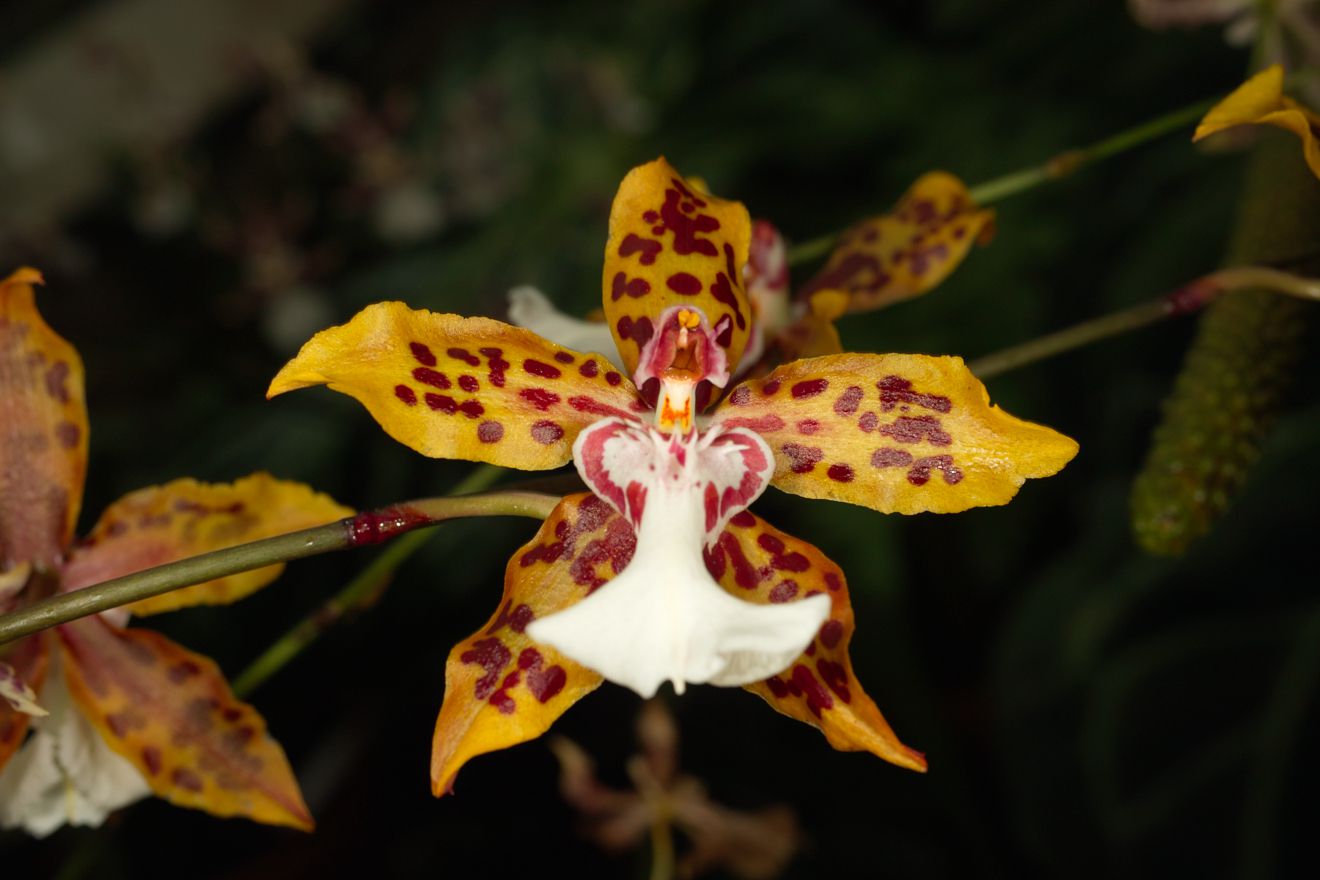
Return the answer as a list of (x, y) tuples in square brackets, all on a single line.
[(127, 712), (661, 573)]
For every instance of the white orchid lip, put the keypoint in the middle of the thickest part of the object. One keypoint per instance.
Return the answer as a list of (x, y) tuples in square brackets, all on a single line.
[(663, 618)]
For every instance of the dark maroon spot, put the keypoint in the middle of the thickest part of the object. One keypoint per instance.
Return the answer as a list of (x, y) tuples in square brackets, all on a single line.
[(722, 290), (639, 331), (818, 699), (529, 658), (847, 402), (492, 656), (740, 396), (895, 390), (890, 457), (635, 244), (743, 518), (181, 672), (469, 383), (428, 376), (868, 422), (563, 357), (119, 723), (56, 377), (490, 432), (186, 779), (497, 365), (546, 432), (472, 409), (539, 398), (723, 332), (684, 283), (462, 354), (783, 591), (777, 687), (770, 543), (810, 388), (613, 378), (151, 757), (503, 702), (919, 473), (769, 388), (442, 402), (915, 429), (841, 473), (832, 581), (622, 286), (745, 574), (808, 426), (539, 368), (589, 368), (546, 683), (515, 619), (831, 632), (406, 394), (833, 675), (804, 458), (68, 434), (423, 354)]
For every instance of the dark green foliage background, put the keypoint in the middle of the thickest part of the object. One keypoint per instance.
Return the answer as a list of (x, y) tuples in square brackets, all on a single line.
[(1087, 711)]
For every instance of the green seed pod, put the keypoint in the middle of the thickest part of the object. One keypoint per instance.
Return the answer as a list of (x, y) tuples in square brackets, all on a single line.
[(1237, 372)]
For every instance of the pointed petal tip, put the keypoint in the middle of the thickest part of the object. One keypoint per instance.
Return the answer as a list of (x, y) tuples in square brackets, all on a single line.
[(24, 275)]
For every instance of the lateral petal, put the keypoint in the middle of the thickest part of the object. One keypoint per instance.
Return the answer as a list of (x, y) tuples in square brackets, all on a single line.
[(908, 251), (468, 388), (899, 433), (170, 713), (1261, 101), (185, 518), (673, 244), (758, 563), (43, 430), (501, 688)]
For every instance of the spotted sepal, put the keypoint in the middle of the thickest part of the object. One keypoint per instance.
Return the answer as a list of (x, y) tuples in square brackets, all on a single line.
[(185, 518), (757, 562), (43, 430), (1261, 101), (29, 659), (897, 433), (910, 250), (501, 688), (170, 713), (468, 388), (672, 244)]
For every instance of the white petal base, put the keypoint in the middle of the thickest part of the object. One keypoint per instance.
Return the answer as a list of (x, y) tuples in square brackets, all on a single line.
[(65, 773), (664, 619), (529, 308)]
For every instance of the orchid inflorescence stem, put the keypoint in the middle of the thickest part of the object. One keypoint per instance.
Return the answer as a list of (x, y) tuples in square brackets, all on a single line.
[(365, 528)]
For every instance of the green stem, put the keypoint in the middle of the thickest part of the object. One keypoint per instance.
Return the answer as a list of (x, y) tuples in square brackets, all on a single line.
[(365, 528), (1070, 338), (1185, 300), (356, 594), (1058, 167)]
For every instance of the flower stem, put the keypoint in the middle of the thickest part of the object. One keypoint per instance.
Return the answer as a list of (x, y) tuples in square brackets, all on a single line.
[(357, 594), (365, 528), (1185, 300), (1059, 166)]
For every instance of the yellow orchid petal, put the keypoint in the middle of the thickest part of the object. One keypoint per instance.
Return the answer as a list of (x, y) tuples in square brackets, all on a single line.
[(469, 388), (757, 562), (170, 713), (184, 518), (43, 429), (673, 244), (1261, 101), (908, 251), (502, 688), (29, 658), (897, 433)]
